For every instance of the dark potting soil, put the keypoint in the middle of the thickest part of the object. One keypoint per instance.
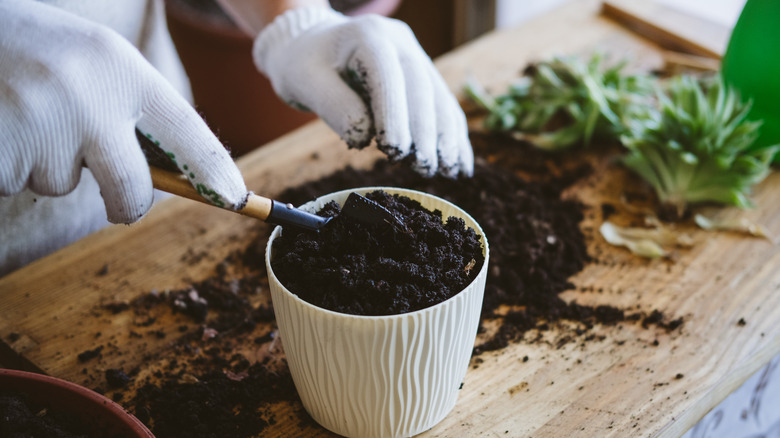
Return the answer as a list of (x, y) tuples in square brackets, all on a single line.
[(214, 404), (351, 266), (516, 195), (206, 388), (20, 417)]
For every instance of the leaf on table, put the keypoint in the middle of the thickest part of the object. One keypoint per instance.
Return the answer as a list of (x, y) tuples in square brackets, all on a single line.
[(645, 242), (736, 224)]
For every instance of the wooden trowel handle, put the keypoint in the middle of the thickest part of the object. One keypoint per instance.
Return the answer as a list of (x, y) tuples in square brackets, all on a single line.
[(271, 211), (177, 184)]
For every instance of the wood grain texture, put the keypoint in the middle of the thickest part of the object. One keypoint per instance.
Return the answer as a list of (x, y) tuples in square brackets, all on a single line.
[(629, 381), (670, 28)]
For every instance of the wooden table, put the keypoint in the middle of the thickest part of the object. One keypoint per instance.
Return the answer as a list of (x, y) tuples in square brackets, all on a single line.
[(635, 382)]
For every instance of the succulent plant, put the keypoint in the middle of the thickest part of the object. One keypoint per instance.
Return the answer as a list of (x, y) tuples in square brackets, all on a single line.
[(696, 145), (565, 101)]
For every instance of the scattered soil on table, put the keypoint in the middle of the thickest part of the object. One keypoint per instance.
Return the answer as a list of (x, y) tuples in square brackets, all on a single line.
[(403, 270), (21, 417), (208, 387), (219, 403)]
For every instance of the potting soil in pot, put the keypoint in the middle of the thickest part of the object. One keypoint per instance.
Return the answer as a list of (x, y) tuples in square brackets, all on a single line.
[(351, 266)]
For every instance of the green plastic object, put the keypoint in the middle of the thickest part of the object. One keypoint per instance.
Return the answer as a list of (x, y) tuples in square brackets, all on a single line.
[(752, 65)]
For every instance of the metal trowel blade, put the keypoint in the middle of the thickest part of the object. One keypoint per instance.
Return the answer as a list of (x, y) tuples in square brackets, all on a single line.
[(368, 211)]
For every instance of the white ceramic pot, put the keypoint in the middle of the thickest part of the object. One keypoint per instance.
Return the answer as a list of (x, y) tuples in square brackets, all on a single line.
[(379, 376)]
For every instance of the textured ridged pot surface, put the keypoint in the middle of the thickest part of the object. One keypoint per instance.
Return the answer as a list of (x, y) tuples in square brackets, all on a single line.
[(379, 376)]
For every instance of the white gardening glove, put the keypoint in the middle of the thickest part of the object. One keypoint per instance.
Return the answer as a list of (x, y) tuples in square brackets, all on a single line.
[(316, 57), (72, 93)]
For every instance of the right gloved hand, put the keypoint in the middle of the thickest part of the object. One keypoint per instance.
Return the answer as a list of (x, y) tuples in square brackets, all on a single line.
[(368, 78), (72, 92)]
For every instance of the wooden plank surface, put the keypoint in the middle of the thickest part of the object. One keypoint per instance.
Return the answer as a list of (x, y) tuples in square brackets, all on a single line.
[(635, 381), (671, 28)]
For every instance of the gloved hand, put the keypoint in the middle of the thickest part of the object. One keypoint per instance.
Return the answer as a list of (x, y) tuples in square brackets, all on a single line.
[(367, 77), (72, 92)]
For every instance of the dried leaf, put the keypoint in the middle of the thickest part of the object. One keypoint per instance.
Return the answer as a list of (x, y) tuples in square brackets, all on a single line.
[(629, 238), (739, 224), (645, 242)]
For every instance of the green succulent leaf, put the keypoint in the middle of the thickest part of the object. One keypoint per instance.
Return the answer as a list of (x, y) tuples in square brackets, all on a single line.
[(688, 137), (566, 102), (697, 147)]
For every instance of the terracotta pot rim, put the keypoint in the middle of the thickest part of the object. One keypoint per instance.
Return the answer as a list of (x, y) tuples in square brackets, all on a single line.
[(96, 403)]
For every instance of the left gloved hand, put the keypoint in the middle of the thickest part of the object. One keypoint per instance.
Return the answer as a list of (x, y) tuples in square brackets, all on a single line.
[(72, 93), (367, 77)]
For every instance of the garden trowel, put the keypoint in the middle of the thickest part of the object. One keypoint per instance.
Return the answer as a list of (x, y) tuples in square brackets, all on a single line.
[(278, 213)]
